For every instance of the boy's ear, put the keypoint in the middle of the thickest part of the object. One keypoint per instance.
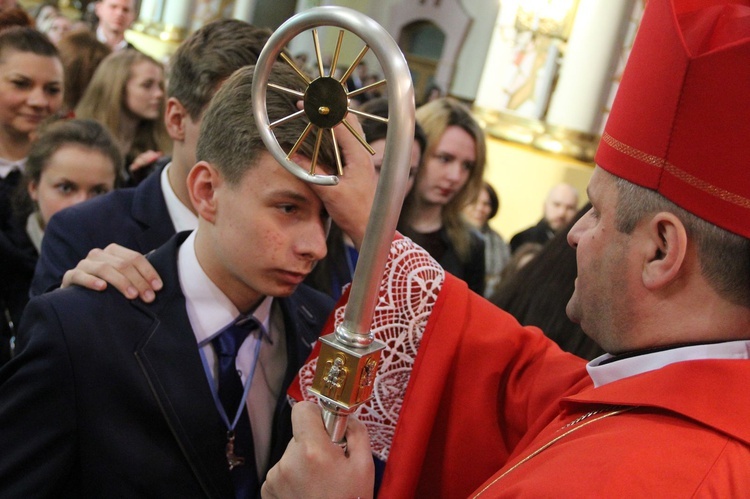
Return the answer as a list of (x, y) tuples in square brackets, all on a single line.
[(202, 182), (174, 119), (666, 249)]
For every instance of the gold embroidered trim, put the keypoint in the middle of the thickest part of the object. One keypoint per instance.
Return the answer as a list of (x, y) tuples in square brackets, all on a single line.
[(551, 442), (702, 185), (634, 153)]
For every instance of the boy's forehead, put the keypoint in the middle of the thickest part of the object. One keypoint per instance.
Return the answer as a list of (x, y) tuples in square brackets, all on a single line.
[(277, 179)]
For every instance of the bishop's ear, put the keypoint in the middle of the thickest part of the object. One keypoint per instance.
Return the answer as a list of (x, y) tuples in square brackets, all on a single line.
[(202, 182), (665, 247)]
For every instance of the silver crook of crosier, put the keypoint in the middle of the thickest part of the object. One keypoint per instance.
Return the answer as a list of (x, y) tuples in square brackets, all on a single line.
[(349, 357)]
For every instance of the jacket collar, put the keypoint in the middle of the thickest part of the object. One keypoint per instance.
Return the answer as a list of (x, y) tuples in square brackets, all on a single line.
[(150, 210), (182, 392)]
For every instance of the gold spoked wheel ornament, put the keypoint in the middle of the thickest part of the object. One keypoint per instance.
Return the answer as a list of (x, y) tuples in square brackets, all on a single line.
[(349, 357)]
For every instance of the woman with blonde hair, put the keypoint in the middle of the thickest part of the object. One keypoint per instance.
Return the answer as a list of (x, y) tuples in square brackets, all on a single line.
[(449, 178), (126, 95)]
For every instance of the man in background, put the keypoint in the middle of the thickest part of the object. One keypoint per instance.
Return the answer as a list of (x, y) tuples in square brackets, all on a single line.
[(115, 17), (560, 206)]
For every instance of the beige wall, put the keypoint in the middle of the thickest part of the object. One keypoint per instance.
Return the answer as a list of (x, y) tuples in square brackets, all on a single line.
[(522, 176)]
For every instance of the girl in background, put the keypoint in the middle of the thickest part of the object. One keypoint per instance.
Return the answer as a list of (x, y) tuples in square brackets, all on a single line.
[(448, 180), (55, 27), (496, 251), (71, 161), (31, 87), (126, 95), (31, 81)]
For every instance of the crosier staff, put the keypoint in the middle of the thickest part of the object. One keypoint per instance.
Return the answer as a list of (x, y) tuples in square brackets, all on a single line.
[(349, 357)]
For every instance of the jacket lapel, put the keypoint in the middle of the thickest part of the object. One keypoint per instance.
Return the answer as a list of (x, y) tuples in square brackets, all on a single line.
[(305, 313), (169, 358), (150, 210)]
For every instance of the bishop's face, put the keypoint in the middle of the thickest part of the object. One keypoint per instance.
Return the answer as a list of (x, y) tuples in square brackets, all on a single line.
[(600, 301)]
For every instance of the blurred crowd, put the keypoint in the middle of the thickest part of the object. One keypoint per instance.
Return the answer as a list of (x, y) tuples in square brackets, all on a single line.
[(84, 112)]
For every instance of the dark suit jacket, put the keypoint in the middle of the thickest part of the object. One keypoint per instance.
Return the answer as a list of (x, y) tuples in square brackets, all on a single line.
[(108, 397), (540, 233), (471, 271), (136, 218)]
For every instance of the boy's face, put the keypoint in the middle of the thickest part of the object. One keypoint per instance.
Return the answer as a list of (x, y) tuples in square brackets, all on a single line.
[(266, 234)]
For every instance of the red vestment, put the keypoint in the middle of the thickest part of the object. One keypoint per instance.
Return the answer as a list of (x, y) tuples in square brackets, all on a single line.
[(465, 393), (485, 393)]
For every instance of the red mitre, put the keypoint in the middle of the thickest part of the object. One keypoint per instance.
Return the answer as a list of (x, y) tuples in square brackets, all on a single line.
[(680, 123)]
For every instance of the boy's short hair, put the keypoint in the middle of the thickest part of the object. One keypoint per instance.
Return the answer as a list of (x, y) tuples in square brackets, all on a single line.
[(208, 57)]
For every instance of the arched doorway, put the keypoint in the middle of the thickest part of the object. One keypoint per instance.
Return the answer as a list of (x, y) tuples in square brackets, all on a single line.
[(422, 43)]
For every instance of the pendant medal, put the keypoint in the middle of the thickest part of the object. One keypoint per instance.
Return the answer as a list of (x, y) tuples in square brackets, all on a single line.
[(232, 459)]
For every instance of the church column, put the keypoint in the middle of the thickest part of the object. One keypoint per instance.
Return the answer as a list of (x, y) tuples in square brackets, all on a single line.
[(177, 20), (149, 16), (577, 104)]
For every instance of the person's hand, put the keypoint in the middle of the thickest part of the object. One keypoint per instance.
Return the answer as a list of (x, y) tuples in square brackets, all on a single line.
[(315, 467), (350, 202), (127, 270), (143, 160)]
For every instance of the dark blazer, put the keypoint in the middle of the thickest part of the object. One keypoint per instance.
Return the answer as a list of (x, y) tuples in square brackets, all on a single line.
[(540, 233), (136, 218), (108, 397), (18, 257), (471, 271)]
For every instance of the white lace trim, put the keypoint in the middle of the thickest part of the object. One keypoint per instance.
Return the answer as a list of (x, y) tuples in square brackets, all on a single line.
[(408, 292)]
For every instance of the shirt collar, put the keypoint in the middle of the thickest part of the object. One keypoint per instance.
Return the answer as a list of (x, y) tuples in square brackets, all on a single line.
[(630, 366), (181, 216), (103, 38), (208, 308), (34, 230), (7, 166)]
